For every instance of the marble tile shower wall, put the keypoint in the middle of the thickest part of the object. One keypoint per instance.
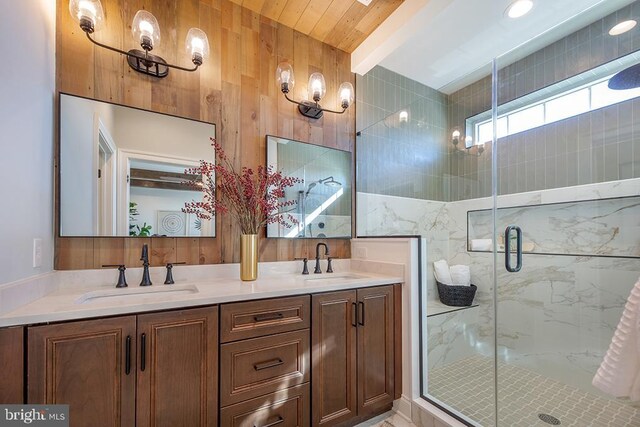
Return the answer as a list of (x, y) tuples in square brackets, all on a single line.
[(396, 157), (590, 148), (556, 317)]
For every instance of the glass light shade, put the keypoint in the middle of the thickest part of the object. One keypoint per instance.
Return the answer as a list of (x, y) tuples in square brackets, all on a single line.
[(317, 87), (403, 116), (285, 77), (145, 29), (345, 93), (455, 134), (197, 45), (87, 13)]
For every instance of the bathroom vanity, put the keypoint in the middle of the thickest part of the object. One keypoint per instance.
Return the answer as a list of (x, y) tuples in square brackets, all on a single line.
[(283, 351)]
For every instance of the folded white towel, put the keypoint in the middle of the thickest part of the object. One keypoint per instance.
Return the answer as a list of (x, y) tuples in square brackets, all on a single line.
[(460, 275), (619, 373), (481, 244), (441, 271)]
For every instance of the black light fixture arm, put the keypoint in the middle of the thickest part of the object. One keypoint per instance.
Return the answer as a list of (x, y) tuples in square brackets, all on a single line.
[(317, 105), (147, 59)]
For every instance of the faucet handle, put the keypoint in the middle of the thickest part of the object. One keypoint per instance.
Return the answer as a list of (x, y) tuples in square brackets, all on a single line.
[(329, 267), (305, 268), (122, 280), (145, 253), (169, 279)]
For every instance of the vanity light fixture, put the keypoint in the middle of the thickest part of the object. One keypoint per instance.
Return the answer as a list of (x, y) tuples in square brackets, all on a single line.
[(455, 137), (316, 88), (622, 27), (468, 143), (90, 16), (519, 8)]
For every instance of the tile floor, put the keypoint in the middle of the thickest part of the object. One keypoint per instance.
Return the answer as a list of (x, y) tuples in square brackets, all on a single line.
[(467, 385), (388, 419)]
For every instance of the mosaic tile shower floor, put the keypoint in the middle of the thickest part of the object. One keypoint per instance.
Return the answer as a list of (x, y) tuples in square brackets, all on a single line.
[(467, 386)]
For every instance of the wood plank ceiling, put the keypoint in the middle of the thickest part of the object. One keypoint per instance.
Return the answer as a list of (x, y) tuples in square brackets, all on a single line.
[(343, 24)]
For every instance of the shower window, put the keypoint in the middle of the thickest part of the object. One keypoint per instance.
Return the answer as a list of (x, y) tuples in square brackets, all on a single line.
[(514, 118)]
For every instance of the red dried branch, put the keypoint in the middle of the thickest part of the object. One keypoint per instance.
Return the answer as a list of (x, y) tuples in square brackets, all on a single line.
[(253, 198)]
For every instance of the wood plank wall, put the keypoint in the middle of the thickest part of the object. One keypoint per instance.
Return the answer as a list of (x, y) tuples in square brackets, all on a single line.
[(235, 89)]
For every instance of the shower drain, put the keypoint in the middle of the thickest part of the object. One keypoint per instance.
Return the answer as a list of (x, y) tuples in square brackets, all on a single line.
[(549, 419)]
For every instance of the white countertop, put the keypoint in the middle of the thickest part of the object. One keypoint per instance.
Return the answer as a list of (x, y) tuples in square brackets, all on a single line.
[(79, 297)]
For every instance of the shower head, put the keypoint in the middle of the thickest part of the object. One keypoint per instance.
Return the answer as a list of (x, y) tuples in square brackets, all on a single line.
[(629, 78), (313, 184), (330, 182)]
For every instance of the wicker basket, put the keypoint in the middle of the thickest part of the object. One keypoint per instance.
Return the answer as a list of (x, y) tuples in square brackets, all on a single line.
[(456, 296)]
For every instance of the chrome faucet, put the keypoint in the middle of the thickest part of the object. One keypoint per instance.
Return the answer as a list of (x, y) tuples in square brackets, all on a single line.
[(317, 269), (146, 279)]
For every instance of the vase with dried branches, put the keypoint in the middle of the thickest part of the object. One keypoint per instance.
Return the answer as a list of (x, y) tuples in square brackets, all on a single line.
[(253, 198)]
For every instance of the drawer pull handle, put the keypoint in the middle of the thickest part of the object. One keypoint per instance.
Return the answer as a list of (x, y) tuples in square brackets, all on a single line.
[(275, 423), (268, 316), (268, 364)]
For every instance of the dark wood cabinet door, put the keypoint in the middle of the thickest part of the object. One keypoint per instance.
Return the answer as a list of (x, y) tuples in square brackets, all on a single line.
[(84, 364), (333, 358), (12, 362), (178, 368), (376, 334)]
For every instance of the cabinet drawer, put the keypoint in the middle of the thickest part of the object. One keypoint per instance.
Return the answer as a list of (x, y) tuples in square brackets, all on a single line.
[(285, 408), (258, 318), (258, 366)]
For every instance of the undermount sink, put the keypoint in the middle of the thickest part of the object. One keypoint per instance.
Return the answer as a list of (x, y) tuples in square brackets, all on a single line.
[(136, 293), (333, 277)]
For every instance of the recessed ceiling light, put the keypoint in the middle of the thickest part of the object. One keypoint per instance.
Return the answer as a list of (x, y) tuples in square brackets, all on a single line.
[(519, 8), (622, 27)]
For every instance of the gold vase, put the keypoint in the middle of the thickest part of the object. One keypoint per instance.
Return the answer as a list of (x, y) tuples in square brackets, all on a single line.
[(248, 257)]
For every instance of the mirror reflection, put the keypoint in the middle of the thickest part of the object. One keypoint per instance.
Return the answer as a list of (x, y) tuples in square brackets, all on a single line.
[(323, 207), (122, 170)]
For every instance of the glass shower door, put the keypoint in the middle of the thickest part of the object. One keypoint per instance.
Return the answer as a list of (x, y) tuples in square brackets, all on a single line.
[(565, 220)]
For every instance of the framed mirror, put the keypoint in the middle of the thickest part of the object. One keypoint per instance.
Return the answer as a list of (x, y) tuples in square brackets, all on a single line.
[(122, 171), (323, 208)]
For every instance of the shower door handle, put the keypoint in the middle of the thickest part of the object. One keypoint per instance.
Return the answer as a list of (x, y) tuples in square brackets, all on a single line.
[(507, 248)]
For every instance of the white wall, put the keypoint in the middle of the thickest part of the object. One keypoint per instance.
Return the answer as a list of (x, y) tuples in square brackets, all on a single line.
[(159, 134), (78, 162), (27, 86), (152, 200)]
